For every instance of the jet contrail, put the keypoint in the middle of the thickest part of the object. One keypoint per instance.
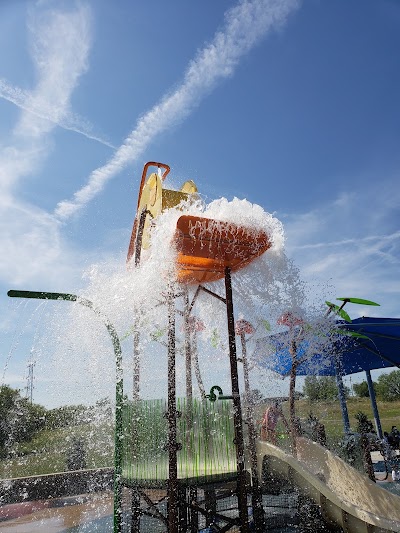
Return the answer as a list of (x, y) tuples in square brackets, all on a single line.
[(59, 45), (379, 239), (24, 100), (245, 25)]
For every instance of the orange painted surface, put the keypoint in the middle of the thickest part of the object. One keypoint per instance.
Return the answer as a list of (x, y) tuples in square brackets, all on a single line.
[(206, 247)]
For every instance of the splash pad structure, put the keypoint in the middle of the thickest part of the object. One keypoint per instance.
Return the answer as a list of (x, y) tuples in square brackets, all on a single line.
[(183, 459), (204, 446)]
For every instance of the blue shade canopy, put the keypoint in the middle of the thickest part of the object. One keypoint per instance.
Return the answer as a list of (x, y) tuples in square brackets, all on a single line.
[(380, 350)]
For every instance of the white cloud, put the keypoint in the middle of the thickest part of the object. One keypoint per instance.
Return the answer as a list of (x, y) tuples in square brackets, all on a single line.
[(30, 240), (354, 243), (32, 247), (245, 25), (60, 44)]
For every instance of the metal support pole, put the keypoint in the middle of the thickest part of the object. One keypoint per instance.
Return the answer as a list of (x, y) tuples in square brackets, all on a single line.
[(197, 373), (136, 362), (194, 514), (139, 236), (188, 349), (188, 370), (237, 411), (339, 380), (256, 496), (136, 334), (292, 397), (342, 394), (374, 404), (171, 415), (210, 504), (135, 510)]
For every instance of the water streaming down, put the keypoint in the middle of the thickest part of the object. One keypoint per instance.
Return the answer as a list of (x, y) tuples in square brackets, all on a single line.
[(134, 298)]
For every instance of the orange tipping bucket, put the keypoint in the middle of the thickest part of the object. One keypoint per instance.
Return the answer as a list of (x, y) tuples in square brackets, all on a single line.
[(207, 246)]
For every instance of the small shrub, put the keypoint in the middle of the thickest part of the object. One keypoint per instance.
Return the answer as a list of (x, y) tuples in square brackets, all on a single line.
[(364, 425)]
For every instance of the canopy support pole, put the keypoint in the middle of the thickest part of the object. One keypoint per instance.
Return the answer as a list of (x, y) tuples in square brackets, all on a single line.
[(374, 404), (342, 394)]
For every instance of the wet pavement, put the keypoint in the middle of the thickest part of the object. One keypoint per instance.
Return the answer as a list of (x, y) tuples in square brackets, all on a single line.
[(90, 514), (73, 514)]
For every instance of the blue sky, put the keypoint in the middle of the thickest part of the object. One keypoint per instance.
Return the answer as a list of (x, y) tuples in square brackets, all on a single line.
[(292, 105)]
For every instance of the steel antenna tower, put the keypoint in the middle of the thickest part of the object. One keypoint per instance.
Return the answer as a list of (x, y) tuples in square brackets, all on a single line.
[(29, 381)]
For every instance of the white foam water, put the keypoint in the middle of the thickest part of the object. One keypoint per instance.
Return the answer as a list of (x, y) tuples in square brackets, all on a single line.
[(134, 298)]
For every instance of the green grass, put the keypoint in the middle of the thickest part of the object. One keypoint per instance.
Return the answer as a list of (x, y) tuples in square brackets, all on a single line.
[(48, 451), (330, 414)]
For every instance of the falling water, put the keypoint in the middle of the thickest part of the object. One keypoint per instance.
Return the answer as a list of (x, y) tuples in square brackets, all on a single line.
[(135, 296)]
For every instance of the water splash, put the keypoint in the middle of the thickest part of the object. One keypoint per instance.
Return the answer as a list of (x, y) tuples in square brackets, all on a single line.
[(134, 298)]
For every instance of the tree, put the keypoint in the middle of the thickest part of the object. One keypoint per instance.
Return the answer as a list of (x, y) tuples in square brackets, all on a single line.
[(364, 424), (19, 419), (255, 397), (361, 390), (388, 386), (66, 415), (8, 400), (321, 388)]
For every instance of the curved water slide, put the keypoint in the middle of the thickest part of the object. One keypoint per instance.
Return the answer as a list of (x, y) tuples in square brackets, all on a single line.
[(346, 497)]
